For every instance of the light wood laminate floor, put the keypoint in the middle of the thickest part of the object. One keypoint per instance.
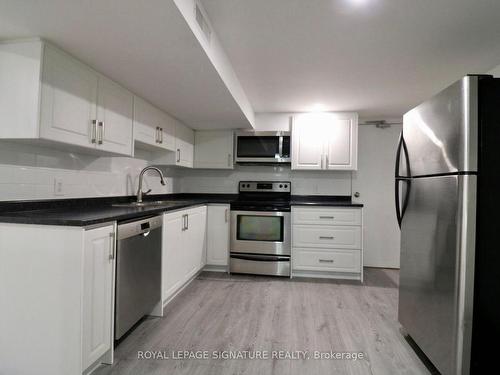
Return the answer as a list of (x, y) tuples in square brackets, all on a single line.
[(218, 312)]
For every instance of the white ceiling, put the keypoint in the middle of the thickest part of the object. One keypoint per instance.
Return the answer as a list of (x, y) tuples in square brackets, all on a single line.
[(378, 57), (147, 46)]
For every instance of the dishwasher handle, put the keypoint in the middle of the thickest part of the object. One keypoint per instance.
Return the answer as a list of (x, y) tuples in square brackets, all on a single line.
[(140, 227)]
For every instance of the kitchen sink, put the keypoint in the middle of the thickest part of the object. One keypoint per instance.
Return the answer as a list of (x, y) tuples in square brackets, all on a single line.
[(149, 203)]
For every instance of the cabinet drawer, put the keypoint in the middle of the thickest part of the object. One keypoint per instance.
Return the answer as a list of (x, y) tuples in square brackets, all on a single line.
[(326, 260), (326, 236), (326, 216)]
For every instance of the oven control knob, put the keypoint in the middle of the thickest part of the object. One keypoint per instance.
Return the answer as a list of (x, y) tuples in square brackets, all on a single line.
[(281, 185), (286, 185)]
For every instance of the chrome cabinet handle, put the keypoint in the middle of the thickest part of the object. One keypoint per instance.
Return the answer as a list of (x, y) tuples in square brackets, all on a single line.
[(93, 131), (326, 161), (327, 217), (325, 260), (226, 219), (228, 160), (326, 237), (157, 136), (183, 222), (178, 155), (113, 244), (161, 135), (100, 132), (187, 222)]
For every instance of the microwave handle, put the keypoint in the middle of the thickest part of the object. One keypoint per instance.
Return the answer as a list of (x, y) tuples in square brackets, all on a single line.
[(280, 146)]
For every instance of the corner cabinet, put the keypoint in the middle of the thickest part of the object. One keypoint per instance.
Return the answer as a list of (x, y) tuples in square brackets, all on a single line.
[(183, 248), (69, 278), (325, 141), (213, 149), (49, 96), (184, 146), (153, 129)]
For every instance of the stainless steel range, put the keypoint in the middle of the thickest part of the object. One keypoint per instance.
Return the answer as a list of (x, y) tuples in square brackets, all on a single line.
[(260, 229)]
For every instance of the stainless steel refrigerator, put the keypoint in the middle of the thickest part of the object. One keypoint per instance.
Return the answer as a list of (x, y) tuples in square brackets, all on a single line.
[(447, 204)]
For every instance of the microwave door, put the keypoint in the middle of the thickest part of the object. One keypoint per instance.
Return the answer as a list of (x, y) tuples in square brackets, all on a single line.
[(257, 148)]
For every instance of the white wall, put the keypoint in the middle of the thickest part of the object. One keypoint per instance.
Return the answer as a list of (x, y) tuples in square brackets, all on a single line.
[(28, 172), (495, 71), (303, 182), (374, 180)]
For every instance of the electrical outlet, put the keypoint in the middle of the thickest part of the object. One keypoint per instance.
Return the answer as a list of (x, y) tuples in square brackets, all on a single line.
[(58, 186)]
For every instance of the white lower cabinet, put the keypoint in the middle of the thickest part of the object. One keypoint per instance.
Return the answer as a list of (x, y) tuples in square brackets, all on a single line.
[(98, 257), (183, 249), (218, 237), (327, 242), (57, 288)]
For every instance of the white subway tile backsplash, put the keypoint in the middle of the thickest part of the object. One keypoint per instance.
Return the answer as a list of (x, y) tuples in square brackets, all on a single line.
[(28, 172)]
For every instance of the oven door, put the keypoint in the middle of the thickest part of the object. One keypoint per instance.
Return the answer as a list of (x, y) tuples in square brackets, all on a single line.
[(260, 232)]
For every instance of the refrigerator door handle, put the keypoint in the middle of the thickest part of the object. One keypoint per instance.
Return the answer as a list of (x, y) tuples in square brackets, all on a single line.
[(398, 155), (402, 146), (396, 197), (400, 210)]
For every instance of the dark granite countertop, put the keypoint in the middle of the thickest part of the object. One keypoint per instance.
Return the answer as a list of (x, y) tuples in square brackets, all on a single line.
[(89, 211), (323, 200)]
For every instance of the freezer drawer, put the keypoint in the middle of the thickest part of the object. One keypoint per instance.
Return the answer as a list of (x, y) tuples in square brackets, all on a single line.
[(325, 236), (332, 260), (437, 268), (326, 216)]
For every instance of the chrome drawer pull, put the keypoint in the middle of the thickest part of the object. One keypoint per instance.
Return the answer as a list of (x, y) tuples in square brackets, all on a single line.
[(326, 237), (327, 217), (325, 260)]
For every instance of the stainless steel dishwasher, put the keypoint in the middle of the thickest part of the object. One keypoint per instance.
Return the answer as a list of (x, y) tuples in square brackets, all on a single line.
[(138, 271)]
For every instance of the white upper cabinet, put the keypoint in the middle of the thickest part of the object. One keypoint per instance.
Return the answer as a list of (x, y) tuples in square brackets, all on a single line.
[(145, 123), (184, 145), (307, 147), (58, 99), (153, 129), (68, 111), (325, 141), (213, 149), (167, 131), (114, 117)]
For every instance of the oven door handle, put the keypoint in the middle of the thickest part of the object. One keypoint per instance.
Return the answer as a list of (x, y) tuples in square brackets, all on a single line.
[(261, 258)]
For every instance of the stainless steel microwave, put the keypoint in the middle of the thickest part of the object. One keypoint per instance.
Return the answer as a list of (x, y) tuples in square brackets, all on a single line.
[(263, 147)]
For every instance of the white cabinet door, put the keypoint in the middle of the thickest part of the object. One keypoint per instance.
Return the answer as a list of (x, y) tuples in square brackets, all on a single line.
[(167, 131), (341, 142), (326, 141), (173, 253), (195, 240), (307, 143), (217, 235), (114, 118), (184, 144), (68, 101), (145, 123), (97, 294), (213, 149)]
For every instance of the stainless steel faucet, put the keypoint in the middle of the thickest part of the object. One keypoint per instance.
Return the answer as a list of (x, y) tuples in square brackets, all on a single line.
[(140, 193)]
